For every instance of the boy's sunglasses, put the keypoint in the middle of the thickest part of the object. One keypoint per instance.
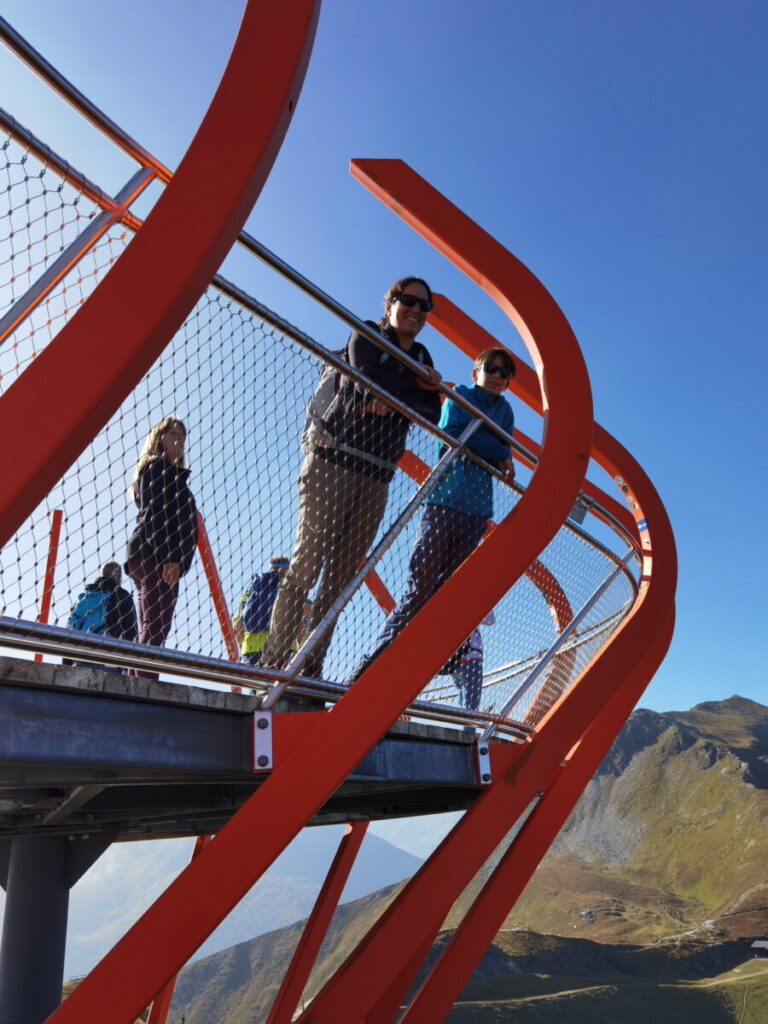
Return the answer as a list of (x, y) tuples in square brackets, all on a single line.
[(413, 300), (494, 368)]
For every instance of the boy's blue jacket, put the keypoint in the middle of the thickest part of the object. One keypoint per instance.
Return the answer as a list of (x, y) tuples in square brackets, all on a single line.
[(466, 487)]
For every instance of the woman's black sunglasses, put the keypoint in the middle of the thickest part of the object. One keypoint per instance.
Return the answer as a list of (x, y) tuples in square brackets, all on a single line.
[(494, 368), (413, 300)]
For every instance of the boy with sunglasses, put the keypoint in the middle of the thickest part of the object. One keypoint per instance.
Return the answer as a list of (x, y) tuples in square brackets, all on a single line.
[(459, 507)]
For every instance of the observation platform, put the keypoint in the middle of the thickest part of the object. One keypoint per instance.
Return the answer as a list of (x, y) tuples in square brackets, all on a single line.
[(88, 753)]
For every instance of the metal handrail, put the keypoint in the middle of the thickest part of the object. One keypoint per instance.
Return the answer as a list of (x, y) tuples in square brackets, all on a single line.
[(69, 173), (53, 77), (25, 635), (37, 63), (556, 647), (71, 256)]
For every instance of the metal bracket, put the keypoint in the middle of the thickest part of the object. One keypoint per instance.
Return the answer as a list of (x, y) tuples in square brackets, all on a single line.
[(262, 741), (484, 777)]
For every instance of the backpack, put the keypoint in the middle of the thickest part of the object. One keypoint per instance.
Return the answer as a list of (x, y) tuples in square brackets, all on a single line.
[(328, 384), (258, 604), (89, 612), (319, 405)]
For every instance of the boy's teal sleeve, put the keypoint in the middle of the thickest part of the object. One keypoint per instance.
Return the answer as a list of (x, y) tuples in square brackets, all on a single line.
[(484, 442)]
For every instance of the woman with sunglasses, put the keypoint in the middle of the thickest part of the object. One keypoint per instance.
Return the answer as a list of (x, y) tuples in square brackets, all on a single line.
[(458, 508), (345, 478)]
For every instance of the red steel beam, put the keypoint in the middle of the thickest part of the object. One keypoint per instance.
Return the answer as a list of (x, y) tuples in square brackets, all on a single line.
[(134, 312), (305, 954), (453, 968), (519, 774), (168, 265), (185, 914), (158, 1011)]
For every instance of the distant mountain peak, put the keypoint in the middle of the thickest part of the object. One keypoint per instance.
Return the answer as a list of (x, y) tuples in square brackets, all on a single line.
[(735, 704)]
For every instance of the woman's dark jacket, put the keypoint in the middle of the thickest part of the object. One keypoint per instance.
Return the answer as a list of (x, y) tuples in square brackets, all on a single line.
[(166, 526), (382, 437)]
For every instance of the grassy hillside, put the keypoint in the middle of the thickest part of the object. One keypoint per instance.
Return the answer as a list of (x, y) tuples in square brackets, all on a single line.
[(644, 909), (669, 836), (739, 996)]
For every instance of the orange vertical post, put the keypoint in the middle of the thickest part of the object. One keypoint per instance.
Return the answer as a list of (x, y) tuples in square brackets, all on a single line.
[(304, 956), (161, 1004), (50, 569), (217, 591)]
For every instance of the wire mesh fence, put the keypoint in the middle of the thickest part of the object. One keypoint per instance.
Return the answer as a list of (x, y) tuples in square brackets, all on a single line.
[(40, 216), (240, 386)]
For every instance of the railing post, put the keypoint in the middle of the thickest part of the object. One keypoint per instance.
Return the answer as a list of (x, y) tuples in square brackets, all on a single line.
[(50, 570), (543, 662), (217, 591)]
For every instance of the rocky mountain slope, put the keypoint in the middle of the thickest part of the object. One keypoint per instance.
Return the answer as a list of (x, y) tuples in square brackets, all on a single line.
[(651, 896), (130, 876), (670, 835)]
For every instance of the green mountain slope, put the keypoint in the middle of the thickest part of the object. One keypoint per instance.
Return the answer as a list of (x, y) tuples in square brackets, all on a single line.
[(670, 835), (644, 909)]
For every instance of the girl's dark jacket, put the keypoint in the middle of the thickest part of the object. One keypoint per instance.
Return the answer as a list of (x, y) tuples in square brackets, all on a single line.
[(166, 526)]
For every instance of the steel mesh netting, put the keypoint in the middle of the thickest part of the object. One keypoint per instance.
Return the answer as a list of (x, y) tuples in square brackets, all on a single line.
[(40, 215), (531, 617), (240, 387)]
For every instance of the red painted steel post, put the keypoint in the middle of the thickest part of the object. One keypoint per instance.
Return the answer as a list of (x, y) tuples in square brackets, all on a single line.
[(144, 298), (50, 569), (158, 1012), (627, 663), (305, 954), (454, 967), (216, 589)]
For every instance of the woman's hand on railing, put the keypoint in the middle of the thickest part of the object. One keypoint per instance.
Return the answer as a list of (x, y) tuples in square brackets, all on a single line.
[(507, 470), (377, 406), (434, 379)]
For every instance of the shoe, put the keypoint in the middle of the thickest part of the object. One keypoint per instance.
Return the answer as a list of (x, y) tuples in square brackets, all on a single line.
[(358, 670), (295, 702)]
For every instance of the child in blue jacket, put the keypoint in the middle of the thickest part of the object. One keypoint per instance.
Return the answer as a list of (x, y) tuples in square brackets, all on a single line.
[(460, 505)]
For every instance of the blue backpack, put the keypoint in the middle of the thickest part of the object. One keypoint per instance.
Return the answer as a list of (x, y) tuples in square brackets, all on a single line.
[(258, 604), (89, 612)]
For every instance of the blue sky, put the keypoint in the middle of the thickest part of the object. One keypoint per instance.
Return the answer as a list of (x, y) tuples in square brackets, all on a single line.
[(618, 149)]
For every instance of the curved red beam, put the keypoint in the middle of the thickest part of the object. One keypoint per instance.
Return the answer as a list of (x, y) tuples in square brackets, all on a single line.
[(83, 375), (100, 355), (454, 967), (466, 334), (185, 914), (624, 667)]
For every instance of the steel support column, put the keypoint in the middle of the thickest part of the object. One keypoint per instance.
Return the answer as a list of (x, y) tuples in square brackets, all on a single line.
[(40, 873)]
